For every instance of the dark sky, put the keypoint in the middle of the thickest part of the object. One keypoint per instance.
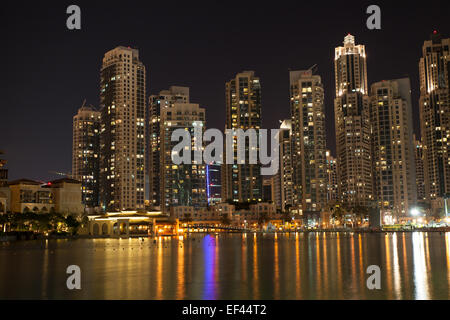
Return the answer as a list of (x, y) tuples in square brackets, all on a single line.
[(48, 70)]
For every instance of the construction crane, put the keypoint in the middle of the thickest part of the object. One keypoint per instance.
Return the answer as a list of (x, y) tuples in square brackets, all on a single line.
[(64, 174)]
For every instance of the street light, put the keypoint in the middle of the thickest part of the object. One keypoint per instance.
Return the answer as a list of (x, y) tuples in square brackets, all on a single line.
[(415, 212)]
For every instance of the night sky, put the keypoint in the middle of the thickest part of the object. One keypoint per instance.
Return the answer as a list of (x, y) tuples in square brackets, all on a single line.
[(47, 70)]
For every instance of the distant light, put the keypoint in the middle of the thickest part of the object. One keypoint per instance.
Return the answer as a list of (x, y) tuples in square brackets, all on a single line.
[(49, 183), (415, 212)]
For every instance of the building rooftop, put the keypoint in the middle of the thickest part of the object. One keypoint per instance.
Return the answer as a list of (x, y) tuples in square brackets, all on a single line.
[(24, 181), (66, 180)]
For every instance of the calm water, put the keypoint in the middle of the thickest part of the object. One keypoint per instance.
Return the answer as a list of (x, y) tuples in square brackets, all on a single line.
[(231, 266)]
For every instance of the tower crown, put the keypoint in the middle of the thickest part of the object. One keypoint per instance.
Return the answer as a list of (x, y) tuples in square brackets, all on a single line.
[(349, 40)]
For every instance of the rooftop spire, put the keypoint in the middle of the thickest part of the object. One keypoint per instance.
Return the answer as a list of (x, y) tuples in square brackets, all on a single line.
[(349, 39)]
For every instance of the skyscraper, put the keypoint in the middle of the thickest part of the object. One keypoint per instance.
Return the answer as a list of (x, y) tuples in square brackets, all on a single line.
[(420, 178), (242, 182), (122, 133), (434, 104), (165, 99), (393, 148), (308, 140), (351, 107), (182, 184), (286, 172), (86, 153), (332, 183), (213, 183)]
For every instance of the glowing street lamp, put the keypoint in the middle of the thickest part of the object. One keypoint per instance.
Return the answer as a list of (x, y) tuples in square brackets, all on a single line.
[(415, 212)]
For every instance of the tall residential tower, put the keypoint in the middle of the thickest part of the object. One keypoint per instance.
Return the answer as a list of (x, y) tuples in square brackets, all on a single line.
[(286, 172), (122, 132), (86, 153), (434, 103), (393, 147), (165, 99), (182, 184), (242, 182), (308, 141), (351, 107)]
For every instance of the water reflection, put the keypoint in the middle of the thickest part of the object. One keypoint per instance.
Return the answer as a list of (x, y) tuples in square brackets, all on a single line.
[(180, 270), (396, 267), (232, 266), (210, 268), (420, 270)]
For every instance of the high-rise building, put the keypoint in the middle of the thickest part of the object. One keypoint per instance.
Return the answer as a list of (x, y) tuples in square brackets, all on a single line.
[(86, 153), (286, 172), (308, 140), (434, 104), (393, 149), (165, 99), (242, 182), (182, 184), (122, 132), (420, 177), (351, 107), (332, 180), (213, 183), (268, 189)]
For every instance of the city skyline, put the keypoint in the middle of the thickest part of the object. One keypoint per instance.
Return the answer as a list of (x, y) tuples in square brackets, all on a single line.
[(248, 151), (274, 79)]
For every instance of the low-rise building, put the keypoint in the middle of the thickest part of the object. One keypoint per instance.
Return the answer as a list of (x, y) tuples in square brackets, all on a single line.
[(3, 202), (30, 196), (223, 208), (67, 196), (62, 196), (182, 212)]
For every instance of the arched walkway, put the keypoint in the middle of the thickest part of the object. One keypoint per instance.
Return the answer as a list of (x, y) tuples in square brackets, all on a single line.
[(95, 229), (104, 229)]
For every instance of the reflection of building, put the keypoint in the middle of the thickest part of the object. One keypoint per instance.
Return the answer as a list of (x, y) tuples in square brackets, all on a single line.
[(393, 152), (242, 182), (165, 99), (85, 153), (61, 196), (183, 184), (122, 132), (308, 140), (213, 183), (434, 103), (351, 107), (332, 181)]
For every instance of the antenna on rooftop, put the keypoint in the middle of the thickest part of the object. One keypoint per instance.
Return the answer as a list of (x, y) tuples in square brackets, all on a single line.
[(313, 68)]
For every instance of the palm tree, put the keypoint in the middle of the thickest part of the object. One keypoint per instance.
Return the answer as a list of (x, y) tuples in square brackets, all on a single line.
[(72, 223), (339, 214)]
